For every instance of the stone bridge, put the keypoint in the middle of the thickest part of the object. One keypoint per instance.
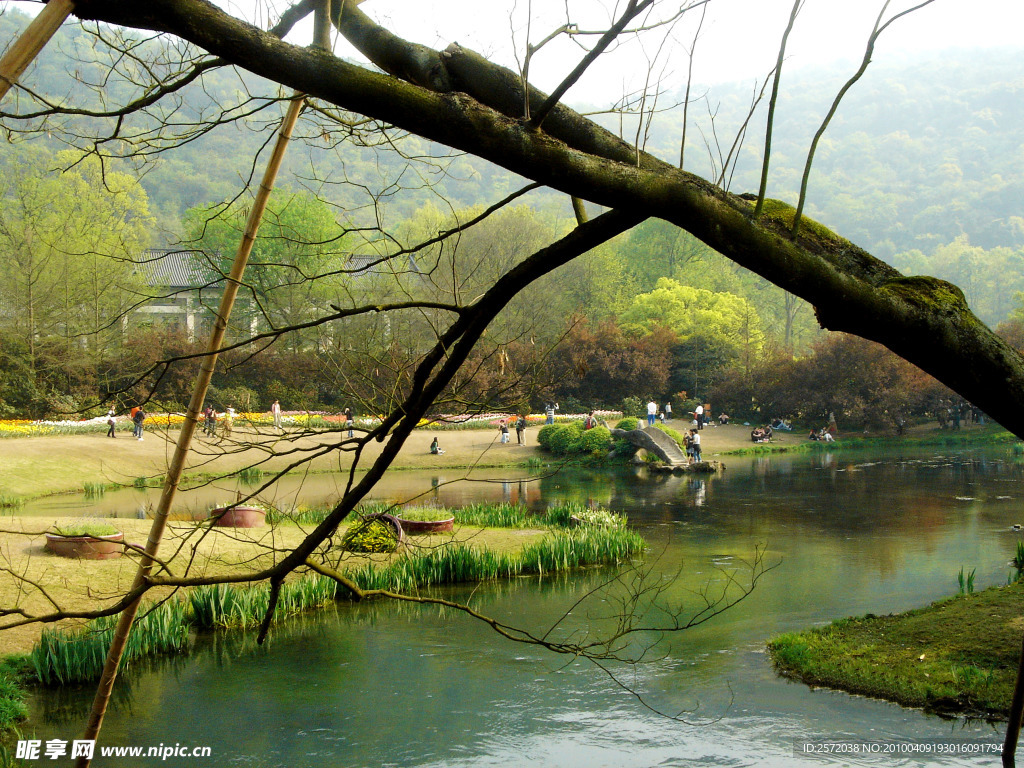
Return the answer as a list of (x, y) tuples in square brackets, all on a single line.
[(653, 440)]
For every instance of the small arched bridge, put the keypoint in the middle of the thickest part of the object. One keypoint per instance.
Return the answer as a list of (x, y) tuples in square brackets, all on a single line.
[(653, 440)]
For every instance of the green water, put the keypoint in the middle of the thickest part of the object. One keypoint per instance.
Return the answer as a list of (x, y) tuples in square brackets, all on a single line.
[(401, 685)]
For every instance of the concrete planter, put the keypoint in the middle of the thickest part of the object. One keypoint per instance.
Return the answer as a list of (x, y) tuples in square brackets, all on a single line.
[(86, 547), (421, 527), (238, 517)]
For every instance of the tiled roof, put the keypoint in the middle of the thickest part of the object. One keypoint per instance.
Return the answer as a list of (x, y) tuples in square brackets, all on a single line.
[(176, 269), (362, 264)]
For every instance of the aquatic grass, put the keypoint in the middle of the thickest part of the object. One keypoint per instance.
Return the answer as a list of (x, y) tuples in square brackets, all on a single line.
[(966, 583), (94, 490), (1018, 559), (460, 563), (63, 656), (13, 673), (8, 501), (300, 515), (140, 483), (221, 606), (495, 516), (250, 475)]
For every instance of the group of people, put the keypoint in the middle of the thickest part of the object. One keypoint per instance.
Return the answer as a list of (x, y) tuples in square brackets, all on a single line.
[(518, 423), (761, 434), (137, 416), (227, 420), (822, 434), (654, 415), (691, 441)]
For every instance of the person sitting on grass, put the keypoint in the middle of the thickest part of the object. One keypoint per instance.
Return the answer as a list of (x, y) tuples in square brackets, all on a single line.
[(435, 449)]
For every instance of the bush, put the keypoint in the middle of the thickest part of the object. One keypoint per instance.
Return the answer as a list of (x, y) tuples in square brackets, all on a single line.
[(557, 438), (597, 439), (566, 439), (370, 535)]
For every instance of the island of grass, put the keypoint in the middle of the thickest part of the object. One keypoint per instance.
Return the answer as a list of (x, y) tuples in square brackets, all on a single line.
[(957, 656), (518, 543)]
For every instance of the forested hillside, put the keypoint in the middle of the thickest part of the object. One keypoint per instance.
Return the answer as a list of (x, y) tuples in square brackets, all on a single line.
[(923, 166), (948, 160)]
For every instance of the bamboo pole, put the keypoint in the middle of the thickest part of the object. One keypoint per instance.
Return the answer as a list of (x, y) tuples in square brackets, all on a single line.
[(1016, 713), (32, 41), (156, 531)]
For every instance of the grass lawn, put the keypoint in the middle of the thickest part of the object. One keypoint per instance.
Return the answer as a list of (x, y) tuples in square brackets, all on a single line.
[(956, 656)]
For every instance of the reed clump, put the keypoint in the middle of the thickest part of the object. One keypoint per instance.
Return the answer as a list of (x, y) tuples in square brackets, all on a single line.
[(94, 490), (68, 656)]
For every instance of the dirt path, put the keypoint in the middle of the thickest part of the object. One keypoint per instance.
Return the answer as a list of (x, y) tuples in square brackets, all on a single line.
[(37, 466)]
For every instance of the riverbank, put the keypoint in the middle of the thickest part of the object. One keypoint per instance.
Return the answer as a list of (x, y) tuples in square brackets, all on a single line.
[(54, 464), (57, 464), (955, 657), (489, 541), (35, 577)]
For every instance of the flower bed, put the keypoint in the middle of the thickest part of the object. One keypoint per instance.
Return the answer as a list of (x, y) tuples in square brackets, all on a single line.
[(308, 419)]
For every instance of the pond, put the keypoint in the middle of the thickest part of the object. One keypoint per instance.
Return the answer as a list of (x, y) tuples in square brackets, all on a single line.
[(406, 685)]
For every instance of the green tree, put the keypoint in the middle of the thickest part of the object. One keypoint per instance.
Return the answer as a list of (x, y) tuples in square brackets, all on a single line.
[(71, 238), (298, 265)]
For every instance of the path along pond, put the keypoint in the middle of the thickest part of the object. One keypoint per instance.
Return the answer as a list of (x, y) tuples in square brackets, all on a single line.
[(408, 685)]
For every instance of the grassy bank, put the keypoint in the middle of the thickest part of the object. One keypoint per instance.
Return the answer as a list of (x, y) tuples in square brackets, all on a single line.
[(70, 655), (956, 656), (991, 434)]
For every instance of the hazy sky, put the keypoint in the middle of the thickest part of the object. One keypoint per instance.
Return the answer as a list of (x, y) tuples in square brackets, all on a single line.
[(739, 38), (738, 41)]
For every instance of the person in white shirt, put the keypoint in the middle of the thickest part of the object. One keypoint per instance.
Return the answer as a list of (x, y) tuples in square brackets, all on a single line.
[(652, 413)]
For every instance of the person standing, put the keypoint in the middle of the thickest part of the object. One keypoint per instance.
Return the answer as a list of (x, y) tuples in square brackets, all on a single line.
[(137, 419), (350, 421), (698, 416), (652, 413), (520, 427), (668, 411), (229, 421), (503, 428), (549, 412), (111, 421), (275, 411), (697, 458)]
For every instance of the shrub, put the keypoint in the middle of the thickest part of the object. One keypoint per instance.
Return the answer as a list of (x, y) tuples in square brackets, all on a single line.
[(370, 535), (556, 438), (567, 439), (596, 439)]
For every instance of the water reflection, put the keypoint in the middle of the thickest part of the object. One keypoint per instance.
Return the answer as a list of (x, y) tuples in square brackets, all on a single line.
[(409, 685)]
